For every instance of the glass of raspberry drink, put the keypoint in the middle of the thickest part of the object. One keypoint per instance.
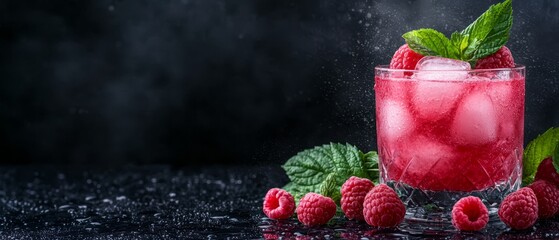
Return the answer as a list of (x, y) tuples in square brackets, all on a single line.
[(446, 134), (450, 117)]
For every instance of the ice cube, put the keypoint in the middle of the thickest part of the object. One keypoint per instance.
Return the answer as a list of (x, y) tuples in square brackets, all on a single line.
[(441, 69), (424, 157), (501, 94), (475, 121), (395, 120), (434, 100), (504, 75)]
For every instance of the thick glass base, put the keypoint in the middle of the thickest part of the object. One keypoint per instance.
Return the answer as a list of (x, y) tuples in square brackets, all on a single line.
[(427, 210)]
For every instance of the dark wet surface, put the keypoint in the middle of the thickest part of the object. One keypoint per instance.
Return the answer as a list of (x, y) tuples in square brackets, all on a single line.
[(45, 202)]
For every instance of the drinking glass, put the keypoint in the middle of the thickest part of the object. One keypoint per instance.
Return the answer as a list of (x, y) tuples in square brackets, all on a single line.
[(446, 134)]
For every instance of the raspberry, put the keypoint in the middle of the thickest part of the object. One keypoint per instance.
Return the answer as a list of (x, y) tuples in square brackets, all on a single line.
[(548, 198), (546, 171), (500, 59), (354, 191), (405, 58), (315, 209), (519, 210), (278, 204), (383, 208), (469, 214)]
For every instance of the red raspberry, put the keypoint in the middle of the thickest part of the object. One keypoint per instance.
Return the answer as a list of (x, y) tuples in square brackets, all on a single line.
[(354, 191), (278, 204), (548, 198), (405, 58), (546, 171), (519, 210), (469, 214), (500, 59), (383, 208), (315, 209)]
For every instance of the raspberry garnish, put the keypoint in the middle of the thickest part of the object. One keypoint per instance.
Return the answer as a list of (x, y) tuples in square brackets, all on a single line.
[(354, 191), (405, 58), (382, 207), (469, 214), (315, 209), (500, 59), (548, 198), (278, 204), (519, 210), (546, 171)]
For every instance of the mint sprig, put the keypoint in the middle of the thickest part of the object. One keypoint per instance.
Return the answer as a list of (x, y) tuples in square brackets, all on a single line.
[(545, 145), (487, 34), (324, 169)]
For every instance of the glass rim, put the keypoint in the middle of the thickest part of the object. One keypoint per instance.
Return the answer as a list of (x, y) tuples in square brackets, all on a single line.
[(386, 68)]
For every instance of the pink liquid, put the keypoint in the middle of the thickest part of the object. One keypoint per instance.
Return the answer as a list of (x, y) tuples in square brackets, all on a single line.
[(450, 135)]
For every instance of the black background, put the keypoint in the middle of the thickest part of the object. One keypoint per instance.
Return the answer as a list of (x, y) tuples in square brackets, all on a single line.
[(190, 82)]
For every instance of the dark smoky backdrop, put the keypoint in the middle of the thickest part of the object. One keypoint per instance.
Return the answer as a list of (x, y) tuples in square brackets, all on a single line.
[(191, 82)]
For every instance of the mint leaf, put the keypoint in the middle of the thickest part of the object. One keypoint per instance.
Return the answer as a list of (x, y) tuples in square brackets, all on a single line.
[(460, 41), (487, 33), (537, 150), (555, 157), (370, 163), (330, 188), (324, 169), (430, 42)]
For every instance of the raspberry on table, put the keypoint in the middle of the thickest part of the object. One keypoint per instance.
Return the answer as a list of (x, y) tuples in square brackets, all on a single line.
[(383, 208), (470, 214), (315, 209), (353, 192), (405, 58), (500, 59), (548, 198), (278, 204), (546, 171), (519, 210)]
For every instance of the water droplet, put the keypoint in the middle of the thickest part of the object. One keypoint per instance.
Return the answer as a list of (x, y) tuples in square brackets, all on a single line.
[(64, 207)]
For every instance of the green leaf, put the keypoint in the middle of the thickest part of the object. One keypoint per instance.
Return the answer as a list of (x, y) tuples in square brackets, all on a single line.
[(370, 163), (460, 41), (430, 42), (543, 146), (488, 32), (324, 169), (330, 188), (555, 157)]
